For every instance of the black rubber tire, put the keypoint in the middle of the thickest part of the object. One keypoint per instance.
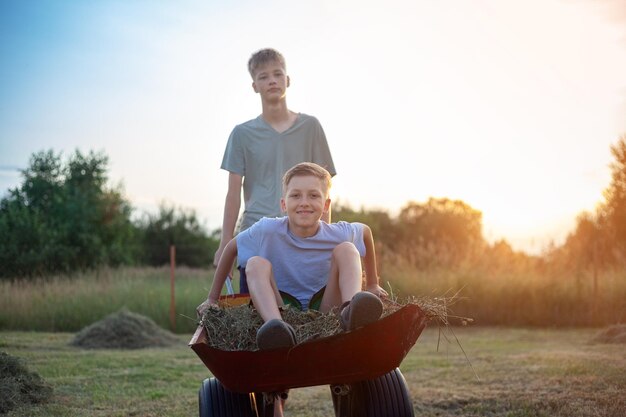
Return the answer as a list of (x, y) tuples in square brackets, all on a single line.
[(385, 396), (216, 401)]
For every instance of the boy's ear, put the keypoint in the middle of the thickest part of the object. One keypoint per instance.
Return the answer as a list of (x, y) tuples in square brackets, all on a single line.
[(288, 81), (326, 205), (254, 87), (283, 206)]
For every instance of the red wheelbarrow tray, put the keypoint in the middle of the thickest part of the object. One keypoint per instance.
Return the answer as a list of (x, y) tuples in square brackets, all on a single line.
[(344, 358)]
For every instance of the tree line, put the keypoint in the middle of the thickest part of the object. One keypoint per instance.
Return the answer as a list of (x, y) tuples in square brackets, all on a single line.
[(598, 241), (444, 232), (64, 217)]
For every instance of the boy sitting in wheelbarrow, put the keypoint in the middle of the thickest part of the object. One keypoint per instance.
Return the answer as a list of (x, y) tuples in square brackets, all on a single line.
[(316, 263)]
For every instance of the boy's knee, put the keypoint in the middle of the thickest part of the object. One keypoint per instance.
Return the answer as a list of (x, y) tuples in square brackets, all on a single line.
[(345, 249), (257, 265)]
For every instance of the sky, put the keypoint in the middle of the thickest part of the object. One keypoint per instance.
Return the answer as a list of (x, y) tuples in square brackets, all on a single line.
[(508, 105)]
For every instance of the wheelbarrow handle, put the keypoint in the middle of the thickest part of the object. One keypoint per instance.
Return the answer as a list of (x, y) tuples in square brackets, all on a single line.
[(229, 285)]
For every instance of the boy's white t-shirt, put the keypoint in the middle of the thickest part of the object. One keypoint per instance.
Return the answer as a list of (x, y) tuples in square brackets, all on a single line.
[(301, 266)]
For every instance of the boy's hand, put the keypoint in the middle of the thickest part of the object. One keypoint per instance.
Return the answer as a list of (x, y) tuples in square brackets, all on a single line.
[(377, 290), (207, 304)]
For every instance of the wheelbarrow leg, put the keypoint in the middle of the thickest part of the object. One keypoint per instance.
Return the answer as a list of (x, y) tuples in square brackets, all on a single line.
[(275, 400)]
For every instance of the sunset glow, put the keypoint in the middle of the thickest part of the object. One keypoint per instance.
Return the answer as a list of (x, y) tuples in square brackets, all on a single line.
[(510, 106)]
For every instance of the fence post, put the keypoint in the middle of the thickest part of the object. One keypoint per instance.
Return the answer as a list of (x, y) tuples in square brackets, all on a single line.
[(172, 295)]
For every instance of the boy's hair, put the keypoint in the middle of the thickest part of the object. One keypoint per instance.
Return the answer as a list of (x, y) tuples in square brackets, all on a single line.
[(305, 169), (264, 56)]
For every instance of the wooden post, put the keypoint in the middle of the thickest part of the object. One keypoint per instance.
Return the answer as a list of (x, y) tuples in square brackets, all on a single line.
[(596, 289), (172, 295)]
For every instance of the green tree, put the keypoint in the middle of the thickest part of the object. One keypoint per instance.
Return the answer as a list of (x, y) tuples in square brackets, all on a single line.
[(440, 231), (63, 218), (613, 212), (382, 225), (587, 245), (599, 239), (181, 228)]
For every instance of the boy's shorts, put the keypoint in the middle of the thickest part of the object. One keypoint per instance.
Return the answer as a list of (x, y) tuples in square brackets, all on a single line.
[(243, 282), (314, 304)]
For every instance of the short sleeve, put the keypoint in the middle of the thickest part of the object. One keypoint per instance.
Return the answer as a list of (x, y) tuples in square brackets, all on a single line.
[(321, 151), (353, 232), (234, 156), (249, 243)]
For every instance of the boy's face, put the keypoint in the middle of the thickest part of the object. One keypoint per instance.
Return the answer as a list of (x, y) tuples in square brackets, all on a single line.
[(305, 201), (271, 81)]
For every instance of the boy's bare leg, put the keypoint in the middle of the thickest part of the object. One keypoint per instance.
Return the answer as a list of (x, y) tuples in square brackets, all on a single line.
[(345, 278), (263, 290), (266, 298)]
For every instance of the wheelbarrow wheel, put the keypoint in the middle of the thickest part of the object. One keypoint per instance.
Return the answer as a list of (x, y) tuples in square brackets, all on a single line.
[(216, 401), (384, 396)]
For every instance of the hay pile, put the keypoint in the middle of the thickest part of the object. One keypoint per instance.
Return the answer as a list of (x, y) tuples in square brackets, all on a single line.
[(124, 330), (612, 334), (19, 386), (235, 328)]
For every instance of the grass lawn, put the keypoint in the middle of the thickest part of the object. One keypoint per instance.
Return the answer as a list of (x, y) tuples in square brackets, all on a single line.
[(516, 372)]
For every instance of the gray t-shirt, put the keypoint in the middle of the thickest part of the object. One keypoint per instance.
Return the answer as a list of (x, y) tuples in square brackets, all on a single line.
[(301, 266), (261, 155)]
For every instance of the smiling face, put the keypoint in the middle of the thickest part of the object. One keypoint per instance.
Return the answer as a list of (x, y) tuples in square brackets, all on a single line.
[(270, 81), (305, 200)]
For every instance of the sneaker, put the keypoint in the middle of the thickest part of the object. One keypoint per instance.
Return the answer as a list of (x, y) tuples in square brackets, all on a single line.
[(363, 309), (275, 334)]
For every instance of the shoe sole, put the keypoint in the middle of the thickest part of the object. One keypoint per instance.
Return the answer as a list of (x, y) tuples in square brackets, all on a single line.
[(275, 334), (365, 308)]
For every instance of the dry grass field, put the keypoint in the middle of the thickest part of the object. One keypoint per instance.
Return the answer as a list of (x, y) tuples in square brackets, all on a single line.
[(516, 372), (513, 372)]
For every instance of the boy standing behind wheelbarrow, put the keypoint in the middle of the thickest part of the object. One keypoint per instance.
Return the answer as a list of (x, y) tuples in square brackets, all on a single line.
[(261, 150), (316, 263)]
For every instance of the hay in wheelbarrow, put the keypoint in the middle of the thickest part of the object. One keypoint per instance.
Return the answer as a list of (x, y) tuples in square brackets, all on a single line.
[(234, 328), (124, 330)]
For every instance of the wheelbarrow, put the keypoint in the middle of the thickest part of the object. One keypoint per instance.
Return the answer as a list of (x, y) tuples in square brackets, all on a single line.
[(361, 367)]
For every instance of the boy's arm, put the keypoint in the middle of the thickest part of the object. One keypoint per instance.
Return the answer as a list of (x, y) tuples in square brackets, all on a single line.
[(221, 273), (231, 212), (371, 272)]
